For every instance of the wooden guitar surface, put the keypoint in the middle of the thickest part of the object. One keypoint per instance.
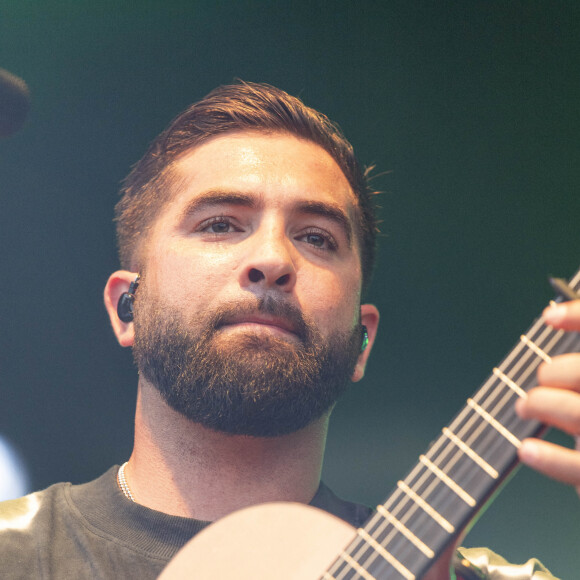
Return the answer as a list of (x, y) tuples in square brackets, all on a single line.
[(275, 541)]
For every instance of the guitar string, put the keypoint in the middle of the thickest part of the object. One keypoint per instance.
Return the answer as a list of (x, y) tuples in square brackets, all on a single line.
[(409, 511), (547, 343), (414, 506), (426, 493), (499, 406), (435, 482), (519, 379)]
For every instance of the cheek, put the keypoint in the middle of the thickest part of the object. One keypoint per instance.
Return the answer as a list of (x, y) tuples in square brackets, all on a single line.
[(191, 277), (334, 303)]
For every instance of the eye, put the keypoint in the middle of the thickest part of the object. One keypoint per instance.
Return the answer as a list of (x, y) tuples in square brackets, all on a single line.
[(319, 239), (316, 240), (218, 225)]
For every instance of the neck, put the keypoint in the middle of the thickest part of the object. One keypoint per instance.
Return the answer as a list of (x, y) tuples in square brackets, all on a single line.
[(181, 468)]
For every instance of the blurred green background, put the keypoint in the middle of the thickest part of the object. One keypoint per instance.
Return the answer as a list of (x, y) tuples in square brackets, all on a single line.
[(469, 109)]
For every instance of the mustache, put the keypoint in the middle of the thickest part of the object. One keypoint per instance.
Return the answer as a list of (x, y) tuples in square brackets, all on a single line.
[(224, 313)]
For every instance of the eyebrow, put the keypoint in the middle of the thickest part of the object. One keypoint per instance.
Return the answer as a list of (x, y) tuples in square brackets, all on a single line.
[(218, 197), (326, 210)]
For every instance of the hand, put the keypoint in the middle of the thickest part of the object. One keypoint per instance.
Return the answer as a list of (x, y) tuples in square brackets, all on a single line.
[(556, 403)]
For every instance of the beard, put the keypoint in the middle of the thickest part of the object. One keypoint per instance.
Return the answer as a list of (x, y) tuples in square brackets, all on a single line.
[(243, 383)]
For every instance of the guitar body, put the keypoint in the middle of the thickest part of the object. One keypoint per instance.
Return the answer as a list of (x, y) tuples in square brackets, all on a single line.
[(275, 541)]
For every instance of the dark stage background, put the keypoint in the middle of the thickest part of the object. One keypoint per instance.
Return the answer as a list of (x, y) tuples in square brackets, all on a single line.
[(471, 109)]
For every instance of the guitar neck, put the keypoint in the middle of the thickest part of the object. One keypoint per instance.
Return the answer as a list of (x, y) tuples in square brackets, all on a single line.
[(459, 472)]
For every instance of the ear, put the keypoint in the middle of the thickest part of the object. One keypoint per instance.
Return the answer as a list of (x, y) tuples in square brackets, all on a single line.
[(118, 283), (369, 316)]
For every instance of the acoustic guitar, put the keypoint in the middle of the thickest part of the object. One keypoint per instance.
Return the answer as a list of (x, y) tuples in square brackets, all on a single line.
[(422, 519)]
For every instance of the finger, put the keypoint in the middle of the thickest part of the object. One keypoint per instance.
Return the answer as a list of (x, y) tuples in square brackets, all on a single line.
[(555, 407), (565, 315), (563, 372), (552, 460)]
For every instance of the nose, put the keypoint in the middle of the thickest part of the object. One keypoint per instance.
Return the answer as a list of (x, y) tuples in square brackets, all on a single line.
[(269, 263)]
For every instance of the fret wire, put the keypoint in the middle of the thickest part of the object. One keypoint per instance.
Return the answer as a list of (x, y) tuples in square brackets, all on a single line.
[(408, 514), (406, 532), (340, 561), (403, 570), (516, 350), (525, 354), (548, 345), (468, 451), (511, 384), (378, 548), (539, 337), (535, 348), (538, 327), (447, 526), (382, 524), (448, 481), (463, 444), (349, 563), (356, 566), (363, 546), (503, 410), (494, 423), (530, 368), (360, 545), (475, 426)]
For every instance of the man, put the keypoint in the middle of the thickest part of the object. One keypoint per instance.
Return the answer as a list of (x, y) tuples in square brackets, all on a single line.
[(246, 235)]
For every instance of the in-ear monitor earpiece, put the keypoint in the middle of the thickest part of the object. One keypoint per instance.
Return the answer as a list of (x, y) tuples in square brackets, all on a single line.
[(125, 304), (364, 339)]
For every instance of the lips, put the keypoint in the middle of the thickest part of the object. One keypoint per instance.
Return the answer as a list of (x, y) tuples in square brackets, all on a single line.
[(264, 320)]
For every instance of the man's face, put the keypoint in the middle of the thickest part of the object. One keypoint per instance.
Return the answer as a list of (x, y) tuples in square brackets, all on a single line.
[(250, 295)]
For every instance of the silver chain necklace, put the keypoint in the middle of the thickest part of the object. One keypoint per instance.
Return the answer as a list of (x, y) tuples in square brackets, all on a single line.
[(122, 481)]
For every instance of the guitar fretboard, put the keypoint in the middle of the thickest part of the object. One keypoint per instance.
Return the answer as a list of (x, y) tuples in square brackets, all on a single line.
[(459, 472)]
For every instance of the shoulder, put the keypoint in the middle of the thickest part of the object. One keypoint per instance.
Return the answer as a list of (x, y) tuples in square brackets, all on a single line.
[(27, 525), (23, 515)]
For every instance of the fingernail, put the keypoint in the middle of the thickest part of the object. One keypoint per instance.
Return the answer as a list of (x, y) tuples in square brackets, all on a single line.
[(519, 405), (555, 313)]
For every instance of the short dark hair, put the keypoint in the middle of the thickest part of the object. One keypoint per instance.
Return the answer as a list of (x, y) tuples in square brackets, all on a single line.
[(239, 107)]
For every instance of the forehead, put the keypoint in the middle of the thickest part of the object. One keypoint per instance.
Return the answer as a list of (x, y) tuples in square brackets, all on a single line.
[(279, 167)]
